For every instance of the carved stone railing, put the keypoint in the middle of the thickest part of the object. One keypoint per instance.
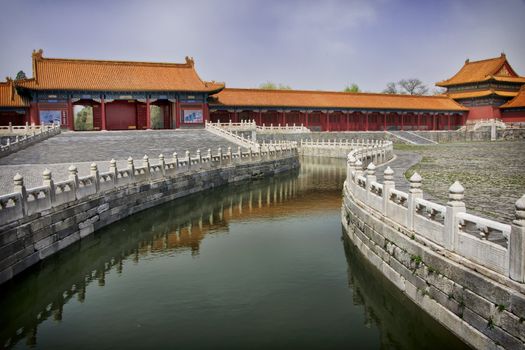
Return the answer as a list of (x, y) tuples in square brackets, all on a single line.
[(250, 125), (219, 130), (25, 136), (495, 246), (24, 202)]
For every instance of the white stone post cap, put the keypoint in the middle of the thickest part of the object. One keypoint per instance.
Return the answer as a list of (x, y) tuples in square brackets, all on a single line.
[(456, 191), (520, 211), (415, 180)]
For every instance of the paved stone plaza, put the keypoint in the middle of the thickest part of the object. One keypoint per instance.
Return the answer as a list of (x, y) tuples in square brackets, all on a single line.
[(83, 148), (493, 174)]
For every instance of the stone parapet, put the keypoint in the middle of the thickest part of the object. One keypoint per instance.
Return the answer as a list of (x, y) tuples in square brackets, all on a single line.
[(466, 271), (25, 136), (38, 222)]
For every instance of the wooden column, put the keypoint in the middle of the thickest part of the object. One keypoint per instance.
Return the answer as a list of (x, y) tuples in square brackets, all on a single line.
[(177, 114), (70, 117), (103, 113), (327, 121), (148, 115), (384, 121), (448, 120), (366, 120), (306, 118), (347, 114), (402, 121), (259, 116), (419, 121)]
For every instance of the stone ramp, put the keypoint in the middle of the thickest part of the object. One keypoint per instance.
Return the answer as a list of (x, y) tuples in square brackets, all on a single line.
[(412, 138), (83, 148)]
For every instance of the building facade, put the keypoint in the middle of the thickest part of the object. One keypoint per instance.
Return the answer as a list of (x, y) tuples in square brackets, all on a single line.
[(122, 95)]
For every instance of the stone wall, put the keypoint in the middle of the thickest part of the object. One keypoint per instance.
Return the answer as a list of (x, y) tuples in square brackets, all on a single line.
[(26, 241), (14, 142), (457, 267)]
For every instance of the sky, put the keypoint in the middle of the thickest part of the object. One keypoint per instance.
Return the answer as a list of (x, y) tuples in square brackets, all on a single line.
[(312, 45)]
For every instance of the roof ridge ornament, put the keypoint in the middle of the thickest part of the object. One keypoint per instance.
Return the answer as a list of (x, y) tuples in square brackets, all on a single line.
[(190, 61), (38, 54)]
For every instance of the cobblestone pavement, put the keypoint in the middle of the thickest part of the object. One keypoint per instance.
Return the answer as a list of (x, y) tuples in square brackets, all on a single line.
[(83, 148), (403, 161), (492, 173)]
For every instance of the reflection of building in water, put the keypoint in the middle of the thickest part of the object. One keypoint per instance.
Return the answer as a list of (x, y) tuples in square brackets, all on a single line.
[(177, 226)]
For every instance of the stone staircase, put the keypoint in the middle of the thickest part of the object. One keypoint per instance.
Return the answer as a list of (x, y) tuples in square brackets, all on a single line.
[(412, 138)]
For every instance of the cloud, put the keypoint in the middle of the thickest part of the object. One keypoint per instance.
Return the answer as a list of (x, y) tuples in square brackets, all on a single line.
[(302, 43)]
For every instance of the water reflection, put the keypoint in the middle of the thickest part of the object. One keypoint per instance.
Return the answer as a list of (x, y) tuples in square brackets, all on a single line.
[(182, 226)]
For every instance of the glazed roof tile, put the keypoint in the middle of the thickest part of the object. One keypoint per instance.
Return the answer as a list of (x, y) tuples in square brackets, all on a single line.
[(481, 93), (9, 96), (95, 75), (490, 69), (516, 102), (328, 100)]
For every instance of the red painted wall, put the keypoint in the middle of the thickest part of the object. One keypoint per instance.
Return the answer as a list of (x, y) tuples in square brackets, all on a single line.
[(483, 112), (121, 115), (14, 118), (509, 116)]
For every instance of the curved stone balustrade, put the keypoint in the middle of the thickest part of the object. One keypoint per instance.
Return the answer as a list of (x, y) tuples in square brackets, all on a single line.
[(25, 202), (25, 135), (466, 271)]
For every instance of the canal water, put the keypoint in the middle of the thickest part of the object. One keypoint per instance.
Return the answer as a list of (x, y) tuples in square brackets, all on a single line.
[(259, 265)]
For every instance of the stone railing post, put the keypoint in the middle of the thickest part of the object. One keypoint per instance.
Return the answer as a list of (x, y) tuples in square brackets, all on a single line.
[(239, 152), (162, 163), (358, 168), (20, 188), (10, 128), (229, 154), (73, 176), (48, 182), (209, 155), (131, 168), (93, 170), (175, 160), (350, 168), (388, 185), (113, 171), (145, 164), (517, 243), (27, 127), (454, 206), (413, 193), (188, 158), (219, 151), (370, 177)]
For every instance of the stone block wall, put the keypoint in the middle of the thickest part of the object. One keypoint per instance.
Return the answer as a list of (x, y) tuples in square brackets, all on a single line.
[(485, 310), (32, 238)]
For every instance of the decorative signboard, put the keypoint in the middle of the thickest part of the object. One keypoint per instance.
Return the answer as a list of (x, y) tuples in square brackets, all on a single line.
[(193, 116), (49, 117)]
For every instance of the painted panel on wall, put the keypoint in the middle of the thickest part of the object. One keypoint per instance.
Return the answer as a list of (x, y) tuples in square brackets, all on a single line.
[(193, 116), (49, 117)]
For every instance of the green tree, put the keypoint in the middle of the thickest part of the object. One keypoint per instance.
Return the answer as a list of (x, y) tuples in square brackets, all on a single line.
[(20, 75), (352, 88), (272, 86)]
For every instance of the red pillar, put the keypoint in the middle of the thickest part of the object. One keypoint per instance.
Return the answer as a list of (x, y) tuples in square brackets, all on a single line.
[(384, 121), (419, 121), (402, 121), (259, 115), (148, 115), (306, 118), (70, 117), (33, 113), (448, 117), (177, 114), (283, 119), (366, 120), (347, 114), (327, 121), (103, 113)]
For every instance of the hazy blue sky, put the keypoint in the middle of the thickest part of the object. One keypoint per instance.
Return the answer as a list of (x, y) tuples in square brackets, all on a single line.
[(305, 44)]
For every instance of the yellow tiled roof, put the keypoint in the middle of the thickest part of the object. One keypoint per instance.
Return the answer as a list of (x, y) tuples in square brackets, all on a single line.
[(9, 96), (518, 101), (328, 99), (95, 75)]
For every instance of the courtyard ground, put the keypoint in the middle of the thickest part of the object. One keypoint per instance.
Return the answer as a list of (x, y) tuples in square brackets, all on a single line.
[(82, 148), (492, 173)]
